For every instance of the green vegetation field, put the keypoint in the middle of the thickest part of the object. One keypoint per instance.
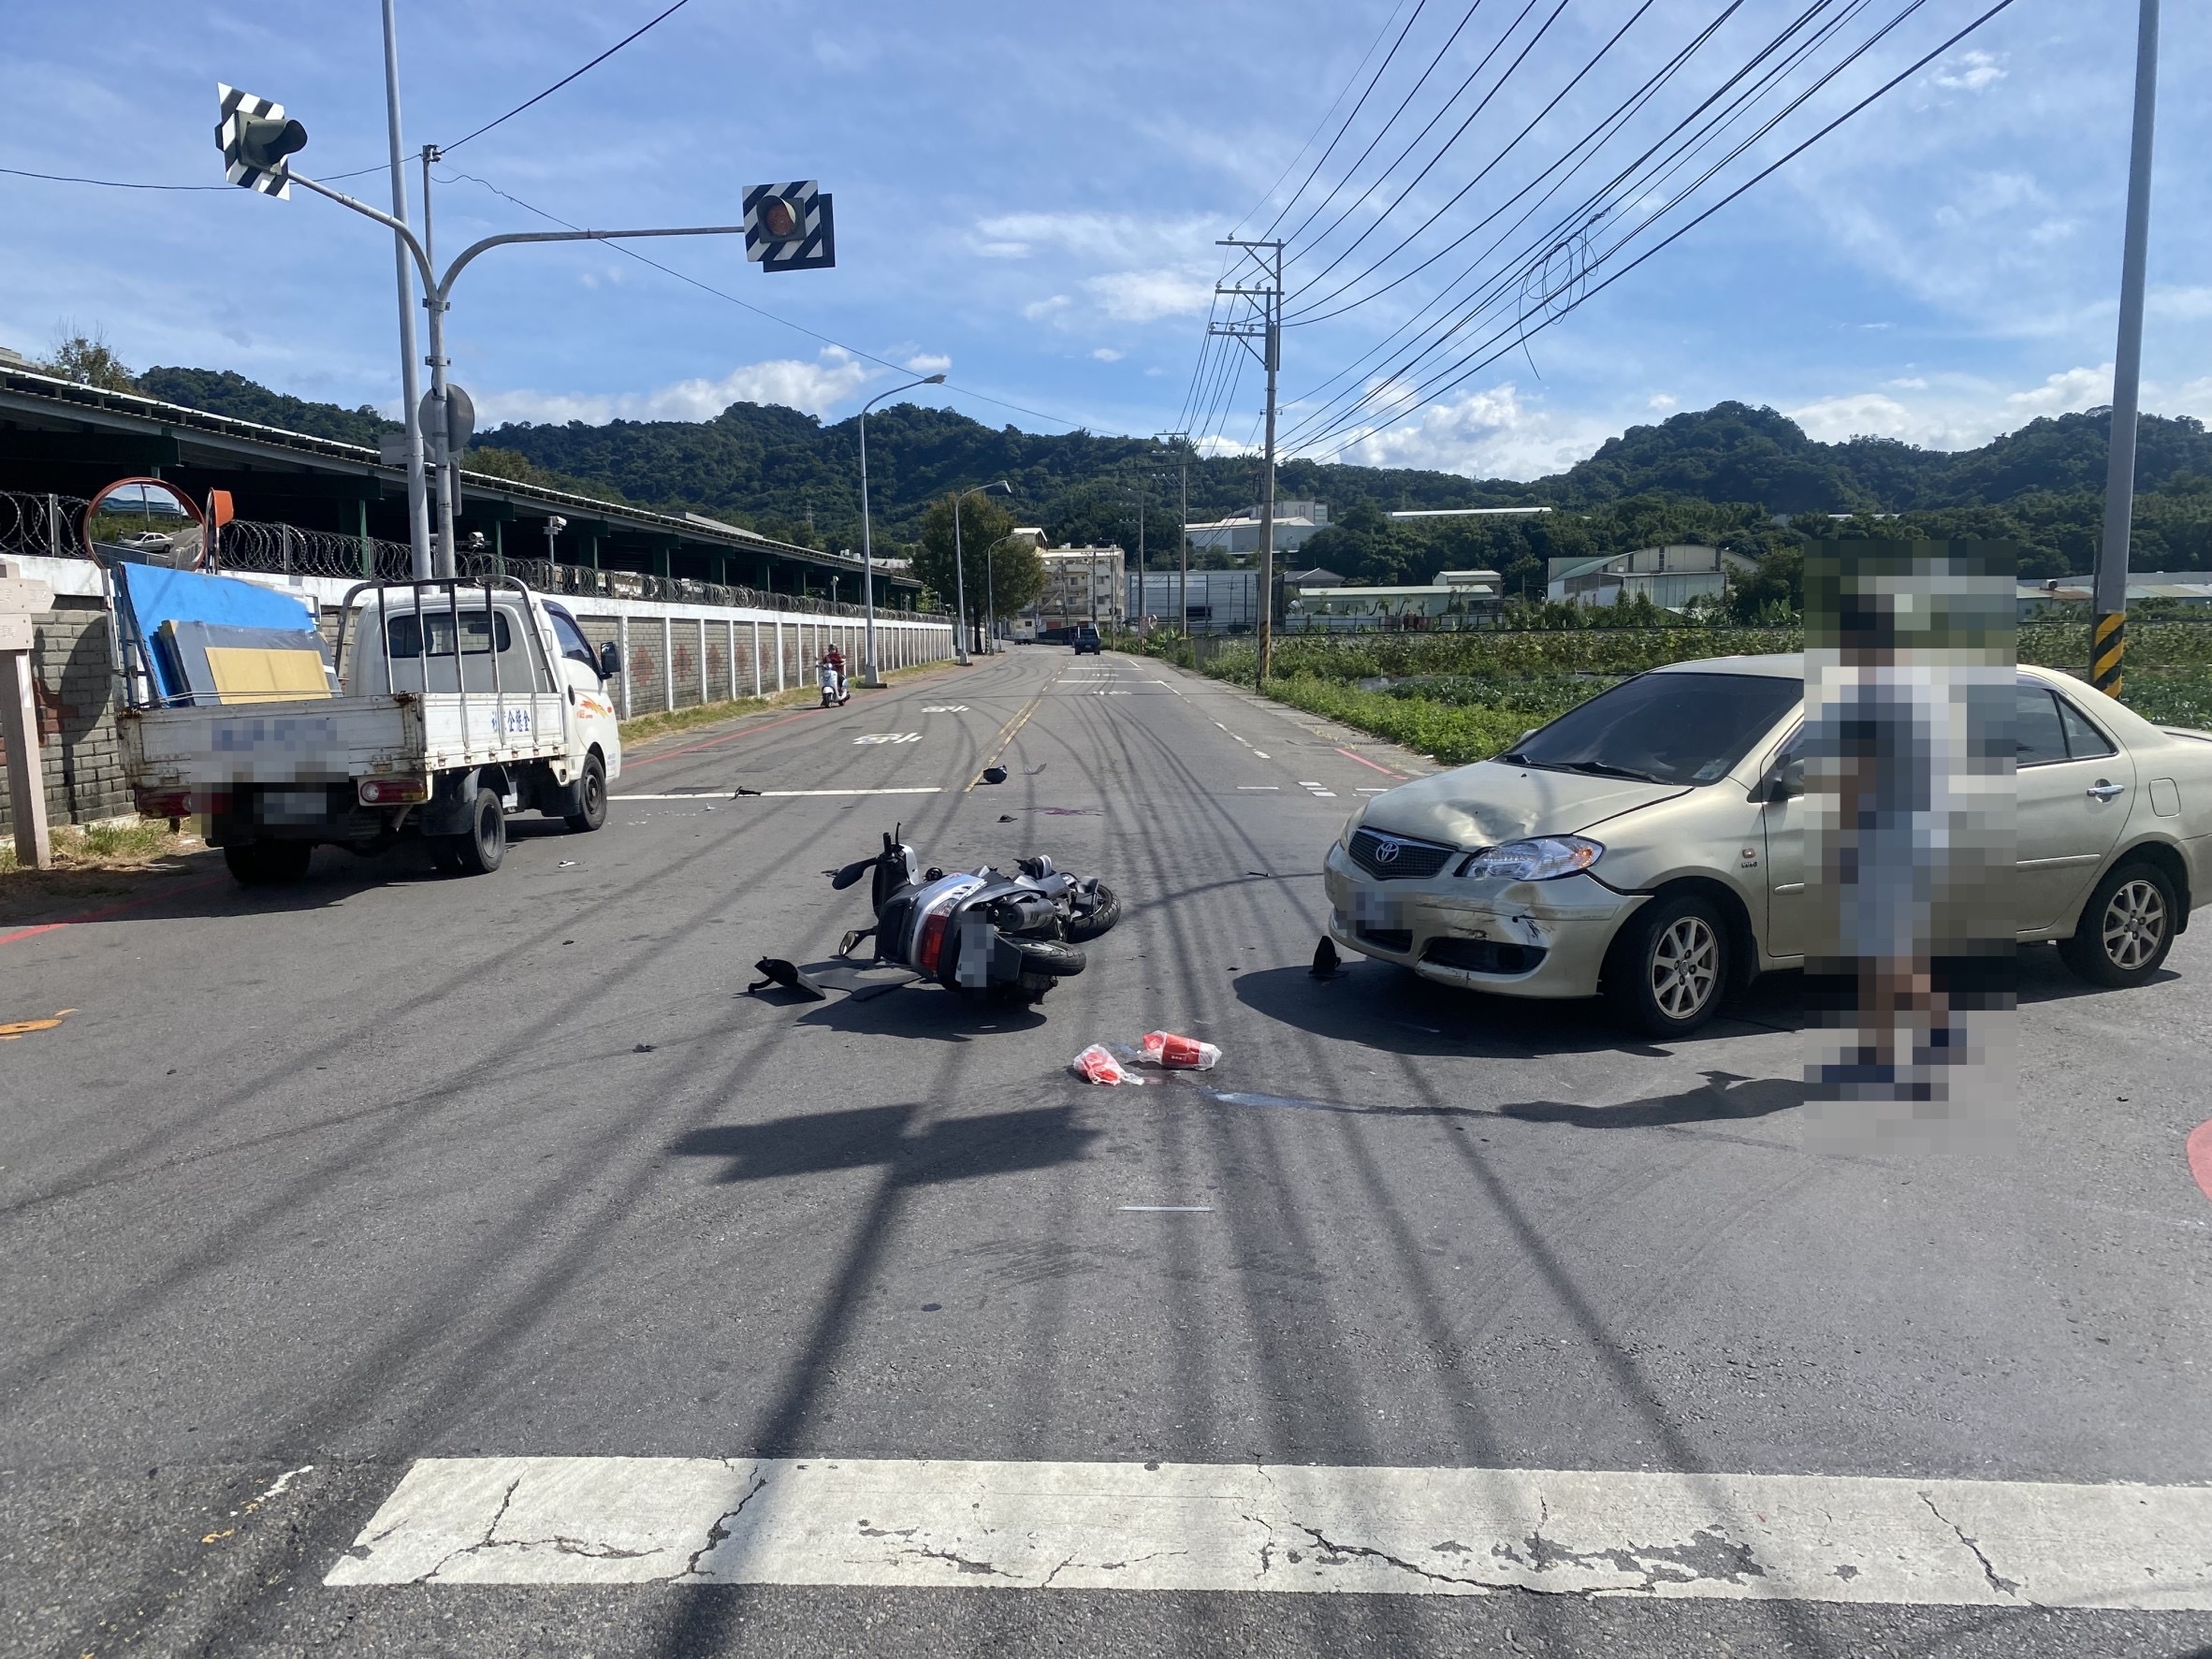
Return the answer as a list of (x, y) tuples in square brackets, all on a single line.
[(1462, 697)]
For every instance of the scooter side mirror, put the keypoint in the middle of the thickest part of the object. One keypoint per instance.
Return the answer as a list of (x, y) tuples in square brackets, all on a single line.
[(610, 661), (852, 873)]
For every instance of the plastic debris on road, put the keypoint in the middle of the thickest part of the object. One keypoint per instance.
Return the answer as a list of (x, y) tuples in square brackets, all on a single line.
[(994, 775), (1099, 1064), (1180, 1053)]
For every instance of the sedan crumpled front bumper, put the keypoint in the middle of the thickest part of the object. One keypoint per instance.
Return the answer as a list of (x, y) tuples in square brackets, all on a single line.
[(1519, 939)]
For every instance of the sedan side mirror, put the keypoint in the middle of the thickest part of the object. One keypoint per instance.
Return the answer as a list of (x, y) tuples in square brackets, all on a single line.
[(610, 661), (1786, 782)]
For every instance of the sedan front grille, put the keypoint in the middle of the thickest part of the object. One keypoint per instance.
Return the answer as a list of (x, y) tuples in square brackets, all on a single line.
[(1396, 858)]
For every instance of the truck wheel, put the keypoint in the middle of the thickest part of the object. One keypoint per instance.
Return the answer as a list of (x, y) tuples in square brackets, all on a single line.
[(1668, 967), (268, 863), (591, 797), (2126, 928), (485, 844)]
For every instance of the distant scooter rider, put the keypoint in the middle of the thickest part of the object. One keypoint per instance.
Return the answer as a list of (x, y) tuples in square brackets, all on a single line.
[(833, 675)]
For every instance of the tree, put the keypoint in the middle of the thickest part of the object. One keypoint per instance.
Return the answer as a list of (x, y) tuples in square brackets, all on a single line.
[(983, 523), (89, 362)]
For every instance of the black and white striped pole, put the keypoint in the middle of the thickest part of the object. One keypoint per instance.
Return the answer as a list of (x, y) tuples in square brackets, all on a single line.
[(2108, 626)]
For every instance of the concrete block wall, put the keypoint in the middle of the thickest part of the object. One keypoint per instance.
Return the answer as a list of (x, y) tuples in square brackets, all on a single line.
[(675, 656), (81, 755)]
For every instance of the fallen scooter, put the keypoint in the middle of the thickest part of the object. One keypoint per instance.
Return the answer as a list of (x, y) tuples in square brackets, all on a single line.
[(1013, 937)]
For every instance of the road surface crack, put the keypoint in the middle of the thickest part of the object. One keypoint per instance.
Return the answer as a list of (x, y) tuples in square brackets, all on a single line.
[(2002, 1585), (1332, 1547), (721, 1529), (499, 1515), (981, 1568)]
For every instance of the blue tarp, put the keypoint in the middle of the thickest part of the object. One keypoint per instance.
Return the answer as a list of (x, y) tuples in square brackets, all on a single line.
[(150, 595)]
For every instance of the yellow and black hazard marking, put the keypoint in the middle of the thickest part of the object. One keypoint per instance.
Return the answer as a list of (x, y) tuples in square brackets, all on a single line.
[(2109, 645)]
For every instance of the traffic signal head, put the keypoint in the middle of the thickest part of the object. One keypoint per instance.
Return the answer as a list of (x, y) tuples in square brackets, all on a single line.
[(790, 227), (255, 137)]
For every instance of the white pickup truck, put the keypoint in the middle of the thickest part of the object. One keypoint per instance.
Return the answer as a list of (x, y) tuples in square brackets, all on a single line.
[(411, 738)]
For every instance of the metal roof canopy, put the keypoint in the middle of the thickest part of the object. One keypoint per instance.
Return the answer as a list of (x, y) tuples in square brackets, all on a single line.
[(47, 424)]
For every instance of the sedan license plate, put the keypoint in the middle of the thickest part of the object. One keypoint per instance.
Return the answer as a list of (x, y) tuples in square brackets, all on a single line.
[(1376, 909)]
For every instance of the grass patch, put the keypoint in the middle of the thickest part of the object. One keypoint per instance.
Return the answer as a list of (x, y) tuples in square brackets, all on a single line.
[(1463, 697), (123, 844)]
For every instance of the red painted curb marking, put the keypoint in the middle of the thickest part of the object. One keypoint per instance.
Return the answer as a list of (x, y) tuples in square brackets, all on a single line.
[(1386, 771), (2200, 1156), (128, 904)]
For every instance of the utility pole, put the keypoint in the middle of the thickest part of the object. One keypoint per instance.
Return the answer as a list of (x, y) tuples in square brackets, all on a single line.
[(1256, 280), (2108, 639), (1181, 442)]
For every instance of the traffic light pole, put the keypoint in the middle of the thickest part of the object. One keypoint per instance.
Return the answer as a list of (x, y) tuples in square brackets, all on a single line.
[(418, 513), (438, 300)]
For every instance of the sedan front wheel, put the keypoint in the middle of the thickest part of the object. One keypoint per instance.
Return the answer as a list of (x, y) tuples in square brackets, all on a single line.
[(1669, 966)]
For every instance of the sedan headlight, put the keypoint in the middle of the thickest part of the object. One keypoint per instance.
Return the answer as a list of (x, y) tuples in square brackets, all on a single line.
[(1543, 859)]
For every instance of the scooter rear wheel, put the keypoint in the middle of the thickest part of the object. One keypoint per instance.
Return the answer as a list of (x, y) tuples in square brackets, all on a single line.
[(1050, 957)]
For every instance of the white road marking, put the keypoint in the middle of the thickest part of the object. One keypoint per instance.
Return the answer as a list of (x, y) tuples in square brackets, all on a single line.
[(1372, 791), (1257, 753), (1326, 795), (889, 737), (1309, 783), (946, 708), (1288, 1529), (1260, 786), (920, 789), (1170, 1209), (283, 1480)]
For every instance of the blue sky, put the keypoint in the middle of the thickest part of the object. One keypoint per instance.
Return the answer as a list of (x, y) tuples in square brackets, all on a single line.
[(1028, 196)]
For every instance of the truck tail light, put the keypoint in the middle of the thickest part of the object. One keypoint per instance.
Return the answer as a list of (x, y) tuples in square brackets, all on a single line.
[(393, 792), (165, 803)]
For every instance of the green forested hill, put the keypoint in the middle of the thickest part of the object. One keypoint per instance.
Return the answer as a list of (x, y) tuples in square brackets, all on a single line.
[(1723, 475)]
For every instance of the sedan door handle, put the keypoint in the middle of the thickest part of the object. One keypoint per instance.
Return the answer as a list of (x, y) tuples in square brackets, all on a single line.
[(2101, 791)]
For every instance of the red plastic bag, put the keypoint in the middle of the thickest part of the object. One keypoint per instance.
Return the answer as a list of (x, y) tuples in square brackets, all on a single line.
[(1099, 1064), (1180, 1053)]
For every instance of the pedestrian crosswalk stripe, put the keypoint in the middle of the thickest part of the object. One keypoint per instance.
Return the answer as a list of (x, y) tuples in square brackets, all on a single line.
[(1286, 1529)]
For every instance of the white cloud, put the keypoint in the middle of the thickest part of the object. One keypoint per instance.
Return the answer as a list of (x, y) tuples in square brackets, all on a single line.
[(1488, 434), (1039, 309), (818, 387), (1954, 412), (1663, 403), (1146, 295), (1003, 250), (1970, 72), (1106, 354), (929, 363)]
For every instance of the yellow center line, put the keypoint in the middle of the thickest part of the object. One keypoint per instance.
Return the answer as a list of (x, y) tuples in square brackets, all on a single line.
[(1005, 733)]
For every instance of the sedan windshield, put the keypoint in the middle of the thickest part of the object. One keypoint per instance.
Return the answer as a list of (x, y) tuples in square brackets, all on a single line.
[(1664, 728)]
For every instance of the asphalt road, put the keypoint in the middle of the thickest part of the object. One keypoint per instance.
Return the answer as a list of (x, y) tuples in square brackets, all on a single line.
[(393, 1166)]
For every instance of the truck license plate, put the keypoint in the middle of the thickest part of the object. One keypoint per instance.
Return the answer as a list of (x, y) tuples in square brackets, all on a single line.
[(293, 805)]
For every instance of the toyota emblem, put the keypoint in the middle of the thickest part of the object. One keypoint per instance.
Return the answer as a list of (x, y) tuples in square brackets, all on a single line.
[(1386, 852)]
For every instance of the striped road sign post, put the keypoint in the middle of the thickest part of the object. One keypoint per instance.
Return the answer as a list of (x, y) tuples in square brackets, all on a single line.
[(2109, 645), (790, 227)]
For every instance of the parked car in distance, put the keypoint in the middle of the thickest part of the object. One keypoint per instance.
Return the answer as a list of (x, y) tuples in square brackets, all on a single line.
[(1649, 845), (1084, 638)]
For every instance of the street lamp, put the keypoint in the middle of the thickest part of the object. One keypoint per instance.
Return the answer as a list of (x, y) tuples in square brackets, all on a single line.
[(869, 678), (960, 562), (991, 596)]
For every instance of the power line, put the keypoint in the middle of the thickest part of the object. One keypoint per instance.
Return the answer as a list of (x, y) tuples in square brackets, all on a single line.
[(1572, 227), (566, 79), (1294, 162), (1468, 367), (1380, 69)]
